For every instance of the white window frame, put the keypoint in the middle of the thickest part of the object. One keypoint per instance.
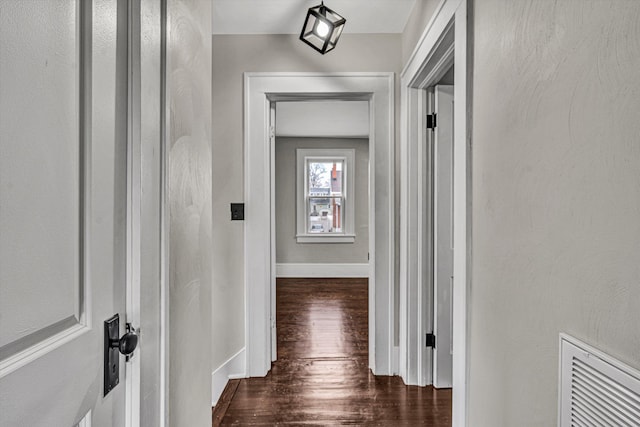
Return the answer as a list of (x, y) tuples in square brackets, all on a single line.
[(348, 176)]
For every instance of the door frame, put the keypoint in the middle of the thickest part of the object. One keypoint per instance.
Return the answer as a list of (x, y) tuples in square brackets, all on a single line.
[(134, 211), (261, 89), (442, 44), (147, 204)]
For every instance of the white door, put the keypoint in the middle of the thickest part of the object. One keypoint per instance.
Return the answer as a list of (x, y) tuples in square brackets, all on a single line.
[(443, 237), (63, 187)]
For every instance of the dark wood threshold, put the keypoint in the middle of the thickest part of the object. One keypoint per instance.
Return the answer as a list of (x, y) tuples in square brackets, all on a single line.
[(218, 411)]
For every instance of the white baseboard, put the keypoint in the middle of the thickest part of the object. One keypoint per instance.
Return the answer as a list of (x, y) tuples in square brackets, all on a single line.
[(395, 360), (322, 270), (233, 368)]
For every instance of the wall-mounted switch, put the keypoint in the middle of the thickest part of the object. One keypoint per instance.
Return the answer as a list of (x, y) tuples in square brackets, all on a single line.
[(237, 211)]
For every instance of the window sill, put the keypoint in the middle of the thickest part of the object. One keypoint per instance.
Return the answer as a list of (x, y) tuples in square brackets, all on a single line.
[(317, 238)]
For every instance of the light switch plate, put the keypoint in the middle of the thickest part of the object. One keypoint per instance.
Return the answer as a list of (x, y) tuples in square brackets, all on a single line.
[(237, 211)]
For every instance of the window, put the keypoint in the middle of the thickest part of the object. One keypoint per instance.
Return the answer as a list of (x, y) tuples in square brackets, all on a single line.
[(325, 202)]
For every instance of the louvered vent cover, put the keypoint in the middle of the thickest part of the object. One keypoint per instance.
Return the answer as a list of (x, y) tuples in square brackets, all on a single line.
[(595, 389)]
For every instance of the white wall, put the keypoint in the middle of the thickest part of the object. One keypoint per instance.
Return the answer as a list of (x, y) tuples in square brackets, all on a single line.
[(189, 182), (420, 15), (287, 249), (556, 197), (323, 118)]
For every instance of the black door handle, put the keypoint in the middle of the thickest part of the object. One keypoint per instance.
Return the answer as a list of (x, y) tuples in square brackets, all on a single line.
[(127, 343)]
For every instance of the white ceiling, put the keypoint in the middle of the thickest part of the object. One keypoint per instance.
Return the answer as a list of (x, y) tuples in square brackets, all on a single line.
[(287, 16)]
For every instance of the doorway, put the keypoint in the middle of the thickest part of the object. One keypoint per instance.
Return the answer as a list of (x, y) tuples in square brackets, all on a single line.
[(443, 44), (261, 91), (321, 193)]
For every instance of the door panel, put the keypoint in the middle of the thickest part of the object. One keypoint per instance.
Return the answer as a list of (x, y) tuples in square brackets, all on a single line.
[(63, 134), (39, 173), (443, 237)]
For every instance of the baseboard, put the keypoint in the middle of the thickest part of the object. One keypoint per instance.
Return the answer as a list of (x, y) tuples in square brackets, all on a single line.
[(233, 368), (395, 360), (322, 270)]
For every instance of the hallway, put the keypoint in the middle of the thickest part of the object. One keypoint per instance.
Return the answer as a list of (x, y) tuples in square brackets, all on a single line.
[(321, 375)]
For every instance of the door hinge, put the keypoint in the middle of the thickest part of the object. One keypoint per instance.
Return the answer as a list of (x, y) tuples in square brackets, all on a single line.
[(431, 340), (431, 121)]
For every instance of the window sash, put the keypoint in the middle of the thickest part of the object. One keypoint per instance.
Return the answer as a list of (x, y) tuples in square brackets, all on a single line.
[(334, 222), (308, 160), (342, 228)]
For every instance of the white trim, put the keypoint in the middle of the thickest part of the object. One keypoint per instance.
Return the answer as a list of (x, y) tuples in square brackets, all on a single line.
[(323, 238), (85, 421), (415, 268), (431, 57), (434, 28), (395, 361), (461, 219), (272, 142), (165, 229), (133, 236), (231, 369), (28, 355), (261, 89), (322, 270)]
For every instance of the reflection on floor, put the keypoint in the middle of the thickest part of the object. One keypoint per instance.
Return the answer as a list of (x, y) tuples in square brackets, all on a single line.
[(321, 376)]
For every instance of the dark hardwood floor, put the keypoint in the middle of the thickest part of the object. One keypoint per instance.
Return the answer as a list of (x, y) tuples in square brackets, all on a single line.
[(321, 376)]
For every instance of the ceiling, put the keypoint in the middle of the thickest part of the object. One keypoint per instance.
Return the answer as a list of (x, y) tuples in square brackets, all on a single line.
[(287, 16)]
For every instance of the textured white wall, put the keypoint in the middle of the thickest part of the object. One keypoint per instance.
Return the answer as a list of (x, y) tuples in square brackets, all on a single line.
[(420, 16), (556, 197), (189, 181)]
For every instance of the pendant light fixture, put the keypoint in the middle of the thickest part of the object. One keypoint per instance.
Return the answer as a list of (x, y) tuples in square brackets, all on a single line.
[(322, 28)]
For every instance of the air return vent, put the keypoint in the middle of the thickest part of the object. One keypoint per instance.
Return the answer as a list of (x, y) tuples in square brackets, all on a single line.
[(595, 389)]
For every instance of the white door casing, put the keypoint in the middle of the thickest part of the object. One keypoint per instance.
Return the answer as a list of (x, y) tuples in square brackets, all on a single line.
[(272, 173), (147, 289), (443, 42), (443, 236), (63, 208), (261, 89)]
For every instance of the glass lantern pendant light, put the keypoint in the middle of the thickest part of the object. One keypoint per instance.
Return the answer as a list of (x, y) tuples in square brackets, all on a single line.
[(322, 28)]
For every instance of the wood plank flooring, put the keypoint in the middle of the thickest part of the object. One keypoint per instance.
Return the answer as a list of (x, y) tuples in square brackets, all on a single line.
[(321, 376)]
